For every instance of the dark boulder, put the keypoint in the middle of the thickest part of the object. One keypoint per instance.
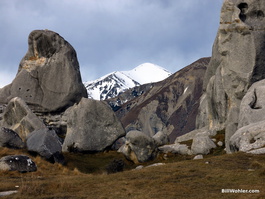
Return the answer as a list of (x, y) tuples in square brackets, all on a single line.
[(10, 139), (47, 144), (19, 163)]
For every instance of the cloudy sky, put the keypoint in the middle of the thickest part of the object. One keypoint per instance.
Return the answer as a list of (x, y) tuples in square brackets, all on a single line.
[(111, 35)]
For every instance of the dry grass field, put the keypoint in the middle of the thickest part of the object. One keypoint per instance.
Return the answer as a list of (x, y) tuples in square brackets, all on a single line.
[(85, 176)]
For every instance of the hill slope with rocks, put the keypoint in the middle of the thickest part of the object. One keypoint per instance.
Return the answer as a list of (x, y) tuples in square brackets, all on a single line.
[(170, 105)]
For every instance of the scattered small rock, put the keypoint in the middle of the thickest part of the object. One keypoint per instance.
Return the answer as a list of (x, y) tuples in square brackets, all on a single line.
[(220, 143), (198, 157), (7, 193), (155, 165)]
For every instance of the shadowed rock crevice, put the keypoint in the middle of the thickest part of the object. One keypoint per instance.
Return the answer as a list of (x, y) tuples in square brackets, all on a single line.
[(243, 10)]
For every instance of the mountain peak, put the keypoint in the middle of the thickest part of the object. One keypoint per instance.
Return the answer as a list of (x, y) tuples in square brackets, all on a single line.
[(114, 83), (142, 72)]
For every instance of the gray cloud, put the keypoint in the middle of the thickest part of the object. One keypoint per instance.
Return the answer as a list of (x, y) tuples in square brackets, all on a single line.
[(111, 35)]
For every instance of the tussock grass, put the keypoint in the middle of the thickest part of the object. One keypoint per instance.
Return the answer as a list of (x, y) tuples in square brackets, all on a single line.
[(181, 177)]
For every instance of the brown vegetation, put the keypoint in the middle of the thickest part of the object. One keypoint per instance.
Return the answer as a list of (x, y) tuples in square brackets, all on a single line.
[(181, 177)]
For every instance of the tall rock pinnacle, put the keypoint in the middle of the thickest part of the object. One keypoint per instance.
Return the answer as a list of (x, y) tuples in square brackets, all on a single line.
[(48, 77), (237, 62)]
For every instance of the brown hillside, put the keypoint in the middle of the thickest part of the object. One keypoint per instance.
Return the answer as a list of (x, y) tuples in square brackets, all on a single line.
[(170, 105)]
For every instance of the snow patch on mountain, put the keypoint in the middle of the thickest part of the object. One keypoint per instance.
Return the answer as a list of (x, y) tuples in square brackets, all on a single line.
[(147, 73), (113, 84)]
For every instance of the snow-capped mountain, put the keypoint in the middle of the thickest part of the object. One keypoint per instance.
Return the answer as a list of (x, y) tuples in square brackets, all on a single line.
[(147, 73), (113, 84)]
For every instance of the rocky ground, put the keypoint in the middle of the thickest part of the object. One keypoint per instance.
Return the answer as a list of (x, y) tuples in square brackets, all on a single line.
[(179, 177)]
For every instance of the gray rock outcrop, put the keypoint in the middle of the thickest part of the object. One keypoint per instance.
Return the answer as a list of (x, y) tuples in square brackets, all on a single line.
[(161, 138), (198, 157), (47, 144), (19, 117), (92, 126), (237, 62), (139, 147), (19, 163), (248, 137), (10, 139), (176, 148), (202, 144), (48, 77), (252, 107)]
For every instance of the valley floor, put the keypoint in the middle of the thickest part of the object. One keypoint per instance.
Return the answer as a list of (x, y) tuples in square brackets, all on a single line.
[(180, 177)]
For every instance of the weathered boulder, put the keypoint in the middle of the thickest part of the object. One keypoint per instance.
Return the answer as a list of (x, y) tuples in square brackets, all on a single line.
[(202, 144), (190, 135), (177, 148), (237, 62), (92, 126), (248, 138), (48, 77), (10, 139), (19, 163), (252, 107), (47, 144), (139, 147), (18, 117), (161, 138), (198, 157)]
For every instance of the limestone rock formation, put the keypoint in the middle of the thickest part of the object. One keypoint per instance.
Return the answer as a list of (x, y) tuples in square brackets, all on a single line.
[(138, 147), (248, 138), (19, 163), (47, 144), (237, 62), (48, 77), (10, 139), (202, 144), (176, 148), (18, 117), (92, 126), (169, 106), (252, 107), (161, 138)]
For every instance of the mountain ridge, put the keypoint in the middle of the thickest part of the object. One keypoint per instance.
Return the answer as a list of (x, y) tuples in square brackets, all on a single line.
[(112, 84)]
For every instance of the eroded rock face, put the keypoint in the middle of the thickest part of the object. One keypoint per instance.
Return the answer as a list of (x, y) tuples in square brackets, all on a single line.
[(252, 107), (250, 136), (237, 62), (48, 77), (92, 126)]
